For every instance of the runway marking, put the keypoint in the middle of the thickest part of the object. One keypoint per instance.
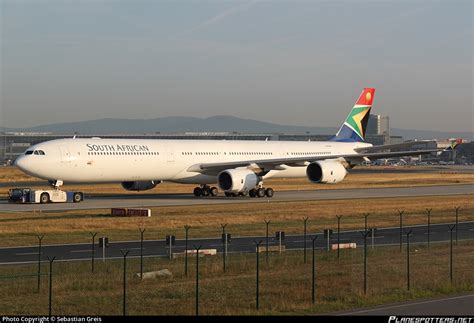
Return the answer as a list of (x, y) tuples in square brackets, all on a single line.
[(72, 251), (408, 304), (27, 254)]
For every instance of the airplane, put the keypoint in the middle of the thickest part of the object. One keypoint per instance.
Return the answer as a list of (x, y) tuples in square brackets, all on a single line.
[(237, 167)]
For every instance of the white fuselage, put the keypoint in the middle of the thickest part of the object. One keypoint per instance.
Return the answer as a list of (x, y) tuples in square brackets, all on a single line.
[(95, 160)]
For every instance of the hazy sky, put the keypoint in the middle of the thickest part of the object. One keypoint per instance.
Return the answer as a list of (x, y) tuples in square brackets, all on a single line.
[(289, 62)]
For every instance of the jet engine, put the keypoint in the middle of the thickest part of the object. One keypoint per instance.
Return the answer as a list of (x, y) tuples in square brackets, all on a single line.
[(326, 171), (140, 185), (237, 180)]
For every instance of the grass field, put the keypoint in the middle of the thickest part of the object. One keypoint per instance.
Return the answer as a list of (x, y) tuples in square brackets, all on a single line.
[(243, 219), (285, 283)]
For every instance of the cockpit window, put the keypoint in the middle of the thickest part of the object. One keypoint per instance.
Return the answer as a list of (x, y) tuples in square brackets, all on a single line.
[(36, 152)]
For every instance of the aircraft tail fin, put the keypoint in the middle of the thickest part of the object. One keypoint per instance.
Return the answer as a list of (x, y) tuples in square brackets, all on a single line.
[(454, 144), (355, 125)]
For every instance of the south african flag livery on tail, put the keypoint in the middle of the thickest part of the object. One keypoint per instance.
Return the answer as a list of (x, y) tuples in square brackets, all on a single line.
[(355, 125)]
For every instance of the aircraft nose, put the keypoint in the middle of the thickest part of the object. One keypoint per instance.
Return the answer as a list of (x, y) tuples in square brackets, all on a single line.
[(22, 163)]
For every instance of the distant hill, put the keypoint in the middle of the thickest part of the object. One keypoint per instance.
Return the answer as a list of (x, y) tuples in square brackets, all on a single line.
[(212, 124)]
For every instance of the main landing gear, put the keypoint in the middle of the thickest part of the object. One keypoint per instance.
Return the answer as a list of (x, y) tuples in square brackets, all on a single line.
[(205, 190), (257, 192), (262, 192)]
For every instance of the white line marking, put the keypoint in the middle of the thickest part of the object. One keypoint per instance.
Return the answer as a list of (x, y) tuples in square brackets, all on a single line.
[(26, 254), (72, 251), (409, 304)]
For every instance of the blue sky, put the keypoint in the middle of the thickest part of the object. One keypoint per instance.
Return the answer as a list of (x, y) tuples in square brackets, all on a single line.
[(289, 62)]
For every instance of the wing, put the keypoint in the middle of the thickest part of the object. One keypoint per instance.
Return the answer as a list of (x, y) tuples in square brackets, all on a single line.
[(263, 166)]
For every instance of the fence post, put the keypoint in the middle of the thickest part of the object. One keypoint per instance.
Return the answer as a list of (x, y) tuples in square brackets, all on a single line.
[(142, 231), (267, 223), (40, 238), (93, 234), (429, 227), (186, 228), (451, 228), (124, 254), (408, 258), (257, 245), (304, 238), (365, 234), (457, 213), (338, 231), (366, 215), (313, 274), (224, 245), (197, 279), (401, 225), (51, 260)]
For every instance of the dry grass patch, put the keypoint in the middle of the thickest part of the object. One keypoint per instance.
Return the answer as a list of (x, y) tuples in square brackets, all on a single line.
[(243, 219)]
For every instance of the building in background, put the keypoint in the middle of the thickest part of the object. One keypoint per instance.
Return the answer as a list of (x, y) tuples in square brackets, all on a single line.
[(378, 131)]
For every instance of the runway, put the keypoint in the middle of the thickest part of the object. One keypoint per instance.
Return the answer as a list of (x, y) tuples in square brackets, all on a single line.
[(98, 201), (459, 305), (158, 248)]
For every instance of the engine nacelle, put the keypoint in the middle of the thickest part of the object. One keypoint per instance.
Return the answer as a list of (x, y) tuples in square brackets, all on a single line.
[(237, 180), (326, 171), (140, 185)]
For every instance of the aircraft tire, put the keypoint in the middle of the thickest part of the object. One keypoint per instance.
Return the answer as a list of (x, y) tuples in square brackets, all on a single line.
[(269, 192), (213, 191), (44, 198), (197, 191)]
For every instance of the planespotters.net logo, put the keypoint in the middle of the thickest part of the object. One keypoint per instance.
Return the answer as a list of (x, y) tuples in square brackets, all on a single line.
[(396, 319)]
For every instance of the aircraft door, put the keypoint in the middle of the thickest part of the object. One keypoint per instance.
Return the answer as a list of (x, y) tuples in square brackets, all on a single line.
[(65, 154), (170, 155)]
